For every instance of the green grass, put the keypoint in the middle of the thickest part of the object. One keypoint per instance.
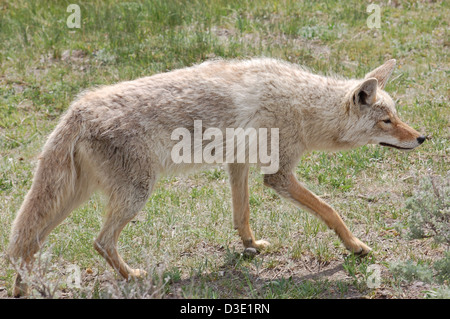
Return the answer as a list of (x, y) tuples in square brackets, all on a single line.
[(185, 232)]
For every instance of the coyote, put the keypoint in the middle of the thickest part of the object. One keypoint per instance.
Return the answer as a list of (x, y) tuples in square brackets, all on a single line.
[(117, 139)]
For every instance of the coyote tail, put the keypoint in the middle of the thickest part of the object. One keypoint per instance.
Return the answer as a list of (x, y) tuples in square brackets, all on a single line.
[(53, 191)]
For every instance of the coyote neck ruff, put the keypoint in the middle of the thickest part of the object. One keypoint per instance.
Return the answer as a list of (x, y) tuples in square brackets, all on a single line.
[(117, 139)]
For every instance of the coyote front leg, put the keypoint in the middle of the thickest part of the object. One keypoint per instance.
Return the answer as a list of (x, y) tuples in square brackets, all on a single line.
[(241, 208), (288, 186)]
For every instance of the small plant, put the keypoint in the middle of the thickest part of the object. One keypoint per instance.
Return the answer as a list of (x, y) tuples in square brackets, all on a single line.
[(440, 293), (172, 275), (430, 210), (442, 268), (430, 217), (436, 273), (362, 270), (410, 271), (289, 288)]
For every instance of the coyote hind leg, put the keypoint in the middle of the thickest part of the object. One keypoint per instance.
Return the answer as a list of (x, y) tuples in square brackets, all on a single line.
[(124, 204)]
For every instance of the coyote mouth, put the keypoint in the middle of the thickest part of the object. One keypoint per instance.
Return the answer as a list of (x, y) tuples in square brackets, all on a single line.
[(395, 146)]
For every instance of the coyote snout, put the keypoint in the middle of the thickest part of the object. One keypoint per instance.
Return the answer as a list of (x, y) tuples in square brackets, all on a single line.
[(400, 135), (118, 139)]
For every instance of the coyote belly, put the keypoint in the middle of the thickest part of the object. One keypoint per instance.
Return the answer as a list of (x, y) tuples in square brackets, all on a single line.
[(120, 139)]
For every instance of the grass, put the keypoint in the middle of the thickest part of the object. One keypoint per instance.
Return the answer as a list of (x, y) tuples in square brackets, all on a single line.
[(184, 236)]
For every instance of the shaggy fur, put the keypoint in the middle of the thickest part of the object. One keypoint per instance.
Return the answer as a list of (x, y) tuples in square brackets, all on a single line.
[(118, 139)]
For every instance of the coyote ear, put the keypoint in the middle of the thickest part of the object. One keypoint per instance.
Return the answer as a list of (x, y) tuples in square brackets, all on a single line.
[(382, 73), (365, 93)]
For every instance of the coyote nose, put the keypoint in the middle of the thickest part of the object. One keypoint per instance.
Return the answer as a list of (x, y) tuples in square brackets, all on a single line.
[(421, 139)]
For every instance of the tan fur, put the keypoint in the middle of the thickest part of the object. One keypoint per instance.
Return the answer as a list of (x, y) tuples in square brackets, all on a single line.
[(118, 139)]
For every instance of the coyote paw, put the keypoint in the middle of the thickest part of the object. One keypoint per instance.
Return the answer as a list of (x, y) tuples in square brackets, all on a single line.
[(261, 244), (358, 247), (137, 273), (256, 244)]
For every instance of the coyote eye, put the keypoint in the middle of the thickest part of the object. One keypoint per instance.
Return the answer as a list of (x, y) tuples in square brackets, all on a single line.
[(387, 121)]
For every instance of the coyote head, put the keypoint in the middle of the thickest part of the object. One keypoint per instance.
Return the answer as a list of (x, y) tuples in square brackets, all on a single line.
[(377, 117)]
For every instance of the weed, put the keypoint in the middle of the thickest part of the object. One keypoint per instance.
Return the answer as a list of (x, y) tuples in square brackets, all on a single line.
[(430, 210)]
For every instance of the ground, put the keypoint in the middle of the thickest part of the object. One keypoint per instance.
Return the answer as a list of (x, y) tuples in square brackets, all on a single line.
[(184, 237)]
